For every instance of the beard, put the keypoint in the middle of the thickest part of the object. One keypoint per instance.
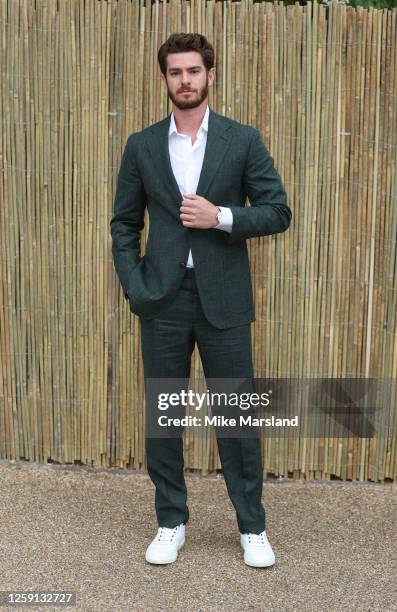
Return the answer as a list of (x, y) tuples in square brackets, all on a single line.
[(192, 101)]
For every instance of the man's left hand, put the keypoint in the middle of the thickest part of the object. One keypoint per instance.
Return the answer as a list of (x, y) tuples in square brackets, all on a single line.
[(197, 212)]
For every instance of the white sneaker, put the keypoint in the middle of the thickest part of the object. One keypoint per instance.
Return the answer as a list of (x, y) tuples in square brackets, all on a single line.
[(257, 549), (165, 546)]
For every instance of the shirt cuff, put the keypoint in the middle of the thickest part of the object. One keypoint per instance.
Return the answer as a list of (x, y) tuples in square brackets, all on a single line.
[(227, 219)]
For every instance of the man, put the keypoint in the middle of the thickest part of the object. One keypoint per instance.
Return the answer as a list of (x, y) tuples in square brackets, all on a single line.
[(193, 171)]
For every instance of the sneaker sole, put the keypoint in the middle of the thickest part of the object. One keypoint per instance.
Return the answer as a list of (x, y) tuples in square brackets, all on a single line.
[(256, 564), (165, 560)]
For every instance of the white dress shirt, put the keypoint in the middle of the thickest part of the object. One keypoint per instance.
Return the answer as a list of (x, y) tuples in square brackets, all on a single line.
[(186, 161)]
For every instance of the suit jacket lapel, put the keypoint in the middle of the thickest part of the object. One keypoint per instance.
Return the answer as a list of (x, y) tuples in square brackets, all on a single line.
[(218, 142)]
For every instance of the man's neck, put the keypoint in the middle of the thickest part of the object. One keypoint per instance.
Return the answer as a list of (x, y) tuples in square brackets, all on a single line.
[(188, 120)]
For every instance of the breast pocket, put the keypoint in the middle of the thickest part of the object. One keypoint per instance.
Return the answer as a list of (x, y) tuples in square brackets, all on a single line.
[(231, 166)]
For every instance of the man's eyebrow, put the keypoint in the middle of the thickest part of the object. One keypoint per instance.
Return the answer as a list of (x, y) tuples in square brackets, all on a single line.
[(191, 68)]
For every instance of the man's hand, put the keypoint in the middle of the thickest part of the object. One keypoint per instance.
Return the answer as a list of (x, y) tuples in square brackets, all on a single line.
[(198, 212)]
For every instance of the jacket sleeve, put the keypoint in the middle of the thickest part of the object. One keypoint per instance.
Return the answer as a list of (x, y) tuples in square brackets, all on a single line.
[(128, 216), (268, 213)]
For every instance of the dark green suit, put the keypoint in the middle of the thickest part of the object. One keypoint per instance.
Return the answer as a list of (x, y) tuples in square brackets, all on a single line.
[(236, 164), (212, 305)]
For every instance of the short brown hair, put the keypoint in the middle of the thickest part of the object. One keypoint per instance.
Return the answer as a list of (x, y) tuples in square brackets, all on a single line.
[(182, 42)]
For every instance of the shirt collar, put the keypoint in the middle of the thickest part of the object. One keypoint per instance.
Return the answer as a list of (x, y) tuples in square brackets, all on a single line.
[(203, 126)]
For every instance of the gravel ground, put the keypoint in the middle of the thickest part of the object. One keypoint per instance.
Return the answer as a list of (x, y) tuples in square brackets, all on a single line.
[(86, 530)]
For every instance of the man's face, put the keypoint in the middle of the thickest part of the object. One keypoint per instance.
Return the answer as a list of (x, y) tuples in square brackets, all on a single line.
[(187, 73)]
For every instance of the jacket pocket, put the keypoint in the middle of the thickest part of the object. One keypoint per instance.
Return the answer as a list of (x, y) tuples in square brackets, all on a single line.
[(237, 286)]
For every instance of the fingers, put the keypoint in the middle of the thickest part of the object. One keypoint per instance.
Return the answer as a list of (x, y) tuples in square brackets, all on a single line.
[(189, 206), (193, 212), (188, 217)]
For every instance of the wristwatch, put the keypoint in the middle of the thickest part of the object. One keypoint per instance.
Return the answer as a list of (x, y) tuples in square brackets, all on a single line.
[(219, 216)]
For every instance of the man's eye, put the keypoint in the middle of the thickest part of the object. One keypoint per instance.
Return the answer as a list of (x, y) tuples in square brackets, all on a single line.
[(175, 73)]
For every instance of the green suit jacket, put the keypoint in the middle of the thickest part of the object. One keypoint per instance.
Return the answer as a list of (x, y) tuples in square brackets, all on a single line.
[(236, 164)]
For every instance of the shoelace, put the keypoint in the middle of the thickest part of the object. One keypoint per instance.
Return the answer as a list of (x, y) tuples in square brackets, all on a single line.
[(166, 534), (256, 538)]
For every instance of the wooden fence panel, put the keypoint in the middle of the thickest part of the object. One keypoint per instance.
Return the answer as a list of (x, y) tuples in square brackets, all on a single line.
[(77, 78)]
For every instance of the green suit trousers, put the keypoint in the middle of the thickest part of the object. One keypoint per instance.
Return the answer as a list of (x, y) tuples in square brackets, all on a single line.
[(167, 343)]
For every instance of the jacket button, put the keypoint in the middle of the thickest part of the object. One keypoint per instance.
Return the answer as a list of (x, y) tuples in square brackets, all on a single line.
[(182, 264)]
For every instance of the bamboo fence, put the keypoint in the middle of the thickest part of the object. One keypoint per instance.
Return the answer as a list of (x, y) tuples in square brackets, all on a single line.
[(77, 78)]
